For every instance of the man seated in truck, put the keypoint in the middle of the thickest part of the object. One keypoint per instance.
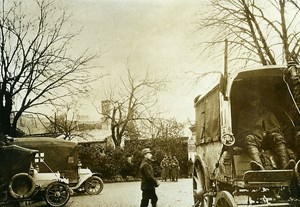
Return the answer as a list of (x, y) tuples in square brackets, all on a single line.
[(258, 129)]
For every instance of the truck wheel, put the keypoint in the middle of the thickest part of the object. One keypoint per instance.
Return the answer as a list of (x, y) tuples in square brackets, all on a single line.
[(93, 185), (57, 194), (201, 185), (225, 199)]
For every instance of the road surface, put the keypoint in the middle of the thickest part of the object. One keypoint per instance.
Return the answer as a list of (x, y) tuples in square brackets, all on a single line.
[(128, 194)]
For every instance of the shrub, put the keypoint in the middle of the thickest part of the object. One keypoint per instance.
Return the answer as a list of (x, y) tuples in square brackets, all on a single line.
[(111, 162)]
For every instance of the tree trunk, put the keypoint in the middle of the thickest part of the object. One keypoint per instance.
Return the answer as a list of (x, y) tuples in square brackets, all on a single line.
[(5, 111), (4, 121)]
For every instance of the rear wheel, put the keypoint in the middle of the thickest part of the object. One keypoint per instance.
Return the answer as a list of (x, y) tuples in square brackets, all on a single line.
[(225, 199), (93, 185), (57, 194), (201, 185)]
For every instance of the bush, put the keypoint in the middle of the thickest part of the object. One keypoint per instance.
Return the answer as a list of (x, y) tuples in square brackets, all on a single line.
[(111, 163)]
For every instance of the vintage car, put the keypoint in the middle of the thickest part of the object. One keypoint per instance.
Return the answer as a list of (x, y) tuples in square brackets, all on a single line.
[(57, 155), (222, 174), (19, 182)]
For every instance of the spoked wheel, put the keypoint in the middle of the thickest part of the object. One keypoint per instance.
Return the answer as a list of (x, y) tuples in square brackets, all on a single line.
[(201, 185), (225, 199), (93, 185), (57, 194)]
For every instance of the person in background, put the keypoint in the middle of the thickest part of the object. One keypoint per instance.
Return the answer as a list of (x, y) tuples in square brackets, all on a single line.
[(164, 168), (174, 168), (148, 183), (169, 169)]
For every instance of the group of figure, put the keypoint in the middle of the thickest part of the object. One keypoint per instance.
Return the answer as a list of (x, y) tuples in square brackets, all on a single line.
[(260, 130), (169, 168)]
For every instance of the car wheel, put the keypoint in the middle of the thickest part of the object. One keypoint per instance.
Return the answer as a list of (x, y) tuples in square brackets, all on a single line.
[(93, 185), (57, 194), (225, 199)]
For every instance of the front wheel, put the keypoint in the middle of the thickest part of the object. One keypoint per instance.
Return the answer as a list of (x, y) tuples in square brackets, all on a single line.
[(225, 199), (57, 194), (93, 185)]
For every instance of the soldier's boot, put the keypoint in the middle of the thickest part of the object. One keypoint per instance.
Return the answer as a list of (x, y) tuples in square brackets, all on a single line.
[(283, 157), (255, 163)]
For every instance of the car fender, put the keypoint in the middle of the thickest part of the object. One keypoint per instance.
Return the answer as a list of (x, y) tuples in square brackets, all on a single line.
[(97, 174), (89, 176), (84, 174)]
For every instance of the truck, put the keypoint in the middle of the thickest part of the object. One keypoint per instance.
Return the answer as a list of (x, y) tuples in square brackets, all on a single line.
[(222, 175)]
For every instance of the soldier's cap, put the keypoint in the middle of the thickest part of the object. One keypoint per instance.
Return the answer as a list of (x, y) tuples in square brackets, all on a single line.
[(146, 150)]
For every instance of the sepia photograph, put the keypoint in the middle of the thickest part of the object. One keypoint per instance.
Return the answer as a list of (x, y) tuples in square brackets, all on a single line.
[(137, 103)]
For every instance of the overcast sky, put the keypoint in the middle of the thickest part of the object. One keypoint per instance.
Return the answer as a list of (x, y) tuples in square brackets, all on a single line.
[(157, 35)]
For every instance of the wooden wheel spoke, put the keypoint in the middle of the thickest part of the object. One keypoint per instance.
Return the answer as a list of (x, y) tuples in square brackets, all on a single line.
[(200, 187), (225, 199)]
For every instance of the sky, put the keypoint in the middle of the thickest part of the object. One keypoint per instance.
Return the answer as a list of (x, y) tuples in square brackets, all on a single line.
[(154, 35)]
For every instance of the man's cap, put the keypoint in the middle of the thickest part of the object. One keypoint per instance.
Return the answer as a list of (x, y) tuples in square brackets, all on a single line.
[(146, 150)]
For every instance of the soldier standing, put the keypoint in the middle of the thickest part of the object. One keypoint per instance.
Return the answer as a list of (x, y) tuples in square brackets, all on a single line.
[(148, 183), (174, 169), (164, 168)]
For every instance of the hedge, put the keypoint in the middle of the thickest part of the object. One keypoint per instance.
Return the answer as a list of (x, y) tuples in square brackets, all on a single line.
[(113, 163)]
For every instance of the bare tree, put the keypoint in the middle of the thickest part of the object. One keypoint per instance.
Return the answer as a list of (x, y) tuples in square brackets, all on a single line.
[(64, 123), (170, 129), (132, 106), (264, 32), (36, 68)]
